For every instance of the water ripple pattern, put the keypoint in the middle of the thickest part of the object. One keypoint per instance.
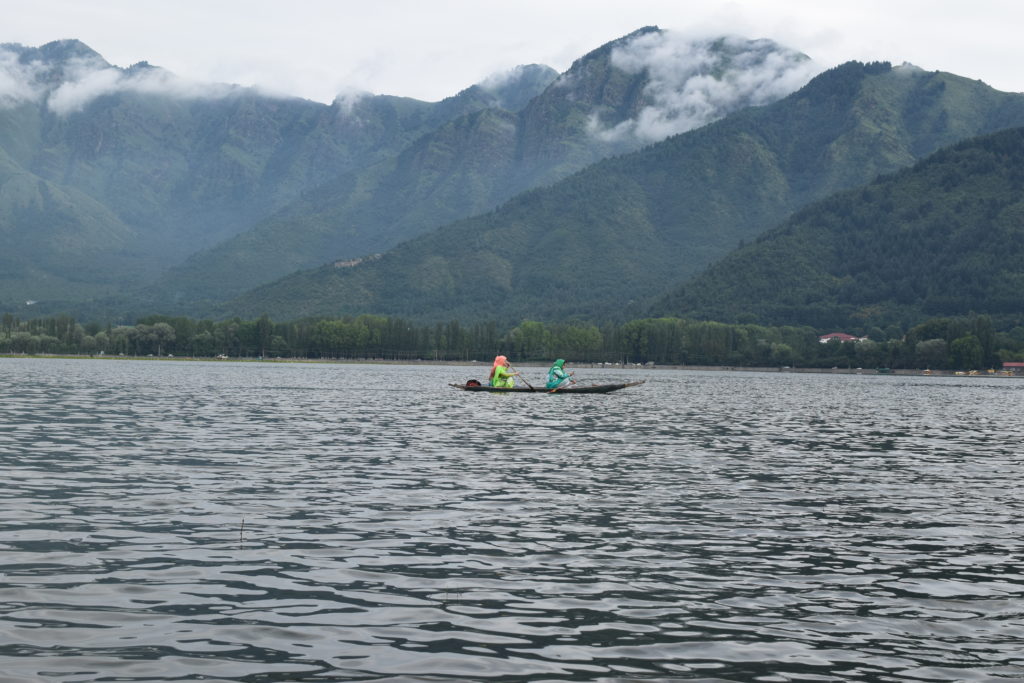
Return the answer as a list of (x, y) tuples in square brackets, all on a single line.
[(321, 522)]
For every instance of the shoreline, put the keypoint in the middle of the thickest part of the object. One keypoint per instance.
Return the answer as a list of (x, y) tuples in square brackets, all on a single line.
[(531, 364)]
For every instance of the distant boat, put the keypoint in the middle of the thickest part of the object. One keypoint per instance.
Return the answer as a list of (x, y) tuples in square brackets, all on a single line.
[(571, 389)]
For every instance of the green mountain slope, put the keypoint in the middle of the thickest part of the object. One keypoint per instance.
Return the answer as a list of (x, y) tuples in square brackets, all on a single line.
[(65, 240), (176, 167), (608, 240), (473, 163), (944, 238), (357, 213)]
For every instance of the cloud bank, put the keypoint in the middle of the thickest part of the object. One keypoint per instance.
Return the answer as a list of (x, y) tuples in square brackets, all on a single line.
[(70, 85), (74, 95), (694, 82), (17, 79)]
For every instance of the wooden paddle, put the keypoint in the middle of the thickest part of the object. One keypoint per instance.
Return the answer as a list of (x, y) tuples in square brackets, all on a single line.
[(521, 377)]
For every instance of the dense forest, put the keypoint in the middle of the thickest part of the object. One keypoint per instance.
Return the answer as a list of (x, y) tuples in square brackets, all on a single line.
[(943, 238), (961, 343)]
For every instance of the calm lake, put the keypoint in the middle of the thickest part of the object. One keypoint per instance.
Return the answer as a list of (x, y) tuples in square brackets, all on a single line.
[(324, 522)]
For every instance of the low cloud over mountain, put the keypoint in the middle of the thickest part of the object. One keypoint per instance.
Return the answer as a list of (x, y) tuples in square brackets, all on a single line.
[(67, 76), (692, 82)]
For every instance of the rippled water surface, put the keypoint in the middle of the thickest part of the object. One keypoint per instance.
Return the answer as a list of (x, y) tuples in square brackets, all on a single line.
[(317, 522)]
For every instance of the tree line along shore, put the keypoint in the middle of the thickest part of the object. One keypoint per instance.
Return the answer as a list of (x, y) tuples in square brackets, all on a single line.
[(961, 344)]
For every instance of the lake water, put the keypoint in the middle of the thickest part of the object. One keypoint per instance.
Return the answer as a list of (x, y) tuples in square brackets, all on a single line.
[(321, 522)]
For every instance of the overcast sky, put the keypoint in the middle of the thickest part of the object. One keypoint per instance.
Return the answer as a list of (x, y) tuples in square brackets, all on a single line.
[(429, 49)]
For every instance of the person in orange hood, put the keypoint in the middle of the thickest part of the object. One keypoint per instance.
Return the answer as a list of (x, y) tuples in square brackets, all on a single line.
[(501, 373)]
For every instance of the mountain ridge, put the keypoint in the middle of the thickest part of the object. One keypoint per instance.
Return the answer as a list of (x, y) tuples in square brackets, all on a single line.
[(472, 163), (605, 241), (182, 167), (91, 212)]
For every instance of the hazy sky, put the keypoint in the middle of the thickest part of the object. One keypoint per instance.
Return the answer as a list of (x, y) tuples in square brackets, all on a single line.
[(430, 49)]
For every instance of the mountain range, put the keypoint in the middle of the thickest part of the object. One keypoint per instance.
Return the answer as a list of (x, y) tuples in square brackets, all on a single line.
[(134, 190), (110, 176), (605, 242), (607, 192)]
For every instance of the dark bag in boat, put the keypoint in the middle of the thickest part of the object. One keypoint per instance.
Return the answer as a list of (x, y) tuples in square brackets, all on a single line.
[(472, 383)]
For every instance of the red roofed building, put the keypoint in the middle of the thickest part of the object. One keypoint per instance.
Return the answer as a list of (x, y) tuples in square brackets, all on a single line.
[(841, 336)]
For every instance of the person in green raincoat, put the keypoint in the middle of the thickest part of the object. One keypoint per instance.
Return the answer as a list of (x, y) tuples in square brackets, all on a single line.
[(501, 373), (558, 377)]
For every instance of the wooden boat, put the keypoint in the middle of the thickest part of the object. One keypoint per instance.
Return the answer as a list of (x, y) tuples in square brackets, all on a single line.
[(571, 389)]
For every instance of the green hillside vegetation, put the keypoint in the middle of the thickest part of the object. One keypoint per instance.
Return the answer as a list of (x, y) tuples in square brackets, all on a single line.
[(465, 167), (944, 238), (605, 243), (64, 239), (358, 213)]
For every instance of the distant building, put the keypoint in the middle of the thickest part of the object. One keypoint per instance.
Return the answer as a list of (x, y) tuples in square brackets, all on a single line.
[(356, 261), (841, 336), (1016, 367)]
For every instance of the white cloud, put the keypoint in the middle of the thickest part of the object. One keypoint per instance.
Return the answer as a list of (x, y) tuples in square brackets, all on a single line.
[(348, 98), (694, 82), (17, 80), (74, 94), (86, 83), (70, 86), (499, 80)]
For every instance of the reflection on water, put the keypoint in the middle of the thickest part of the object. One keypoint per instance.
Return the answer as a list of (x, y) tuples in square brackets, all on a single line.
[(257, 522)]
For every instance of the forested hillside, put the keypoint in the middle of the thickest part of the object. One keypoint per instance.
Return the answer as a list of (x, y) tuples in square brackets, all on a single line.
[(606, 242), (944, 238), (110, 175), (615, 99)]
